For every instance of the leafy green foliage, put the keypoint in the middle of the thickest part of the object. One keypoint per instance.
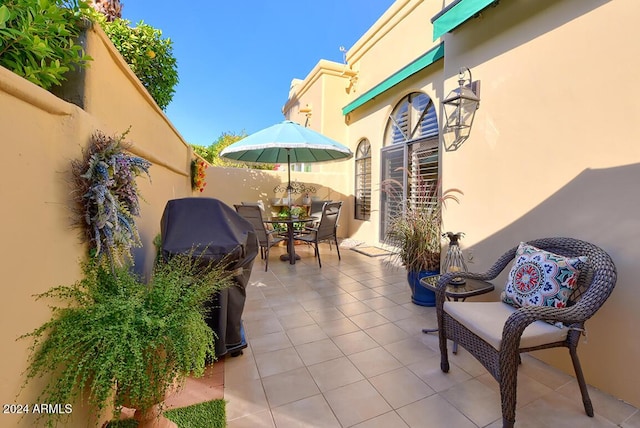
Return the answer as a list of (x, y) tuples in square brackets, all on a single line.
[(107, 196), (212, 153), (120, 335), (148, 54), (37, 39)]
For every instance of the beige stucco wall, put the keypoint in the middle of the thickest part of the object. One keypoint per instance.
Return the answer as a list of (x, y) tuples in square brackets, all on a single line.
[(324, 89), (378, 54), (552, 151), (120, 102), (253, 185), (400, 35), (369, 122), (41, 249)]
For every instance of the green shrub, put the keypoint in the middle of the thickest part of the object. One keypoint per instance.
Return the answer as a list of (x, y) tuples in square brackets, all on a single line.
[(37, 39), (118, 338), (149, 56), (212, 153)]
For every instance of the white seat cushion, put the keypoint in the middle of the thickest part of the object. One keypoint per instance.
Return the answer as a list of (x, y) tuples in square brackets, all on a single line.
[(486, 320)]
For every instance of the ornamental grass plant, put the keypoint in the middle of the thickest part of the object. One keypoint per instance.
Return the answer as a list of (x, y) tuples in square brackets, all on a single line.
[(415, 233), (119, 341)]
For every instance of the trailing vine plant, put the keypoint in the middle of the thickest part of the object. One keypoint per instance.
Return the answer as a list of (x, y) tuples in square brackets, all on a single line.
[(107, 196)]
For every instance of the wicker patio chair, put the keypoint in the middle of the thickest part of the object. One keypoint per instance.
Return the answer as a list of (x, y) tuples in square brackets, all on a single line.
[(266, 238), (497, 338), (326, 230)]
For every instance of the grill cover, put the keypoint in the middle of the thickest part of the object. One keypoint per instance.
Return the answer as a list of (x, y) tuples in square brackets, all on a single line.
[(216, 231)]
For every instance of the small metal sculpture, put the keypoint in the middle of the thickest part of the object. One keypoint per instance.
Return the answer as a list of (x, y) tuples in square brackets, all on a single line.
[(454, 259)]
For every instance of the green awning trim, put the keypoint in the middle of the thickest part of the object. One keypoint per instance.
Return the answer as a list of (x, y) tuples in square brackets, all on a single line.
[(455, 15), (431, 56)]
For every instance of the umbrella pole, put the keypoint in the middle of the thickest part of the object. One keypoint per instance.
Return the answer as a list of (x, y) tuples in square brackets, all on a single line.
[(289, 179)]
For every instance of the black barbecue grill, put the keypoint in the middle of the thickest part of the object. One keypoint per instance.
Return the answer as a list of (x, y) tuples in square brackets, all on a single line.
[(216, 232)]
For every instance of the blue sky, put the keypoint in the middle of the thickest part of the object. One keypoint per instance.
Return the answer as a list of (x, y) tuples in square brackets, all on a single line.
[(236, 59)]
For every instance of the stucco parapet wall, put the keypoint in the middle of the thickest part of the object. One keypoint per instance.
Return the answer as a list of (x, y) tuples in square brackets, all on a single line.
[(385, 24), (34, 95), (322, 68), (97, 32), (392, 17), (122, 64)]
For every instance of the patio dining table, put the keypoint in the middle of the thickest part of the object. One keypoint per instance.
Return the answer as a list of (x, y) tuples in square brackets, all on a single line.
[(290, 222)]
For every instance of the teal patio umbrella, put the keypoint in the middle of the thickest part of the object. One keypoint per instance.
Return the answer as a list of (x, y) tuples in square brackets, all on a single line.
[(287, 142)]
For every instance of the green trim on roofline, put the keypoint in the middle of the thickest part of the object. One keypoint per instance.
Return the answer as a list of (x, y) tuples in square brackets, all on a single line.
[(431, 56), (456, 14)]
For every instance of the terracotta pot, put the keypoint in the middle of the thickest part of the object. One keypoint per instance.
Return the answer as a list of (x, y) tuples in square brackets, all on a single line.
[(152, 418)]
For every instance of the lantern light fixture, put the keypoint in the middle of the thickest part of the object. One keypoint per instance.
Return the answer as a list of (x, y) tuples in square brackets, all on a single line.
[(460, 109)]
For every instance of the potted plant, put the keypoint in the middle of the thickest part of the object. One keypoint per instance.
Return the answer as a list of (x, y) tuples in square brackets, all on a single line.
[(415, 235), (121, 342), (297, 211)]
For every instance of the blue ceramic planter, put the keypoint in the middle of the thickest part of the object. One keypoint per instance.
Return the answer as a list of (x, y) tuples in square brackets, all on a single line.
[(421, 295)]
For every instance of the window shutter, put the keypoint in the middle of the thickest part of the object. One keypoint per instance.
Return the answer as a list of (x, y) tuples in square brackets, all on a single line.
[(363, 181), (399, 129), (393, 176), (409, 156), (424, 175)]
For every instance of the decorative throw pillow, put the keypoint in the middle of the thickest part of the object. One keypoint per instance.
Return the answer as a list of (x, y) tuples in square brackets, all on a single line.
[(541, 278)]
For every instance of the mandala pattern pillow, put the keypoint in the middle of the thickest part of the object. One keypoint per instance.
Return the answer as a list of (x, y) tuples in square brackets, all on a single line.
[(541, 278)]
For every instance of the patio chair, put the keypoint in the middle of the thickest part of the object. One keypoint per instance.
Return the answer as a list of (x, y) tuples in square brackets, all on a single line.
[(316, 210), (495, 333), (266, 238), (326, 230)]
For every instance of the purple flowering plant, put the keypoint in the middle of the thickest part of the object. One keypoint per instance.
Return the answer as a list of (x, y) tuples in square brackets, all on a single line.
[(107, 196)]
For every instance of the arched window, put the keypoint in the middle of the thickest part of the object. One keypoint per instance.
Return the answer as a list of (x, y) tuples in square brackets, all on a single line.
[(410, 151), (413, 118), (363, 181)]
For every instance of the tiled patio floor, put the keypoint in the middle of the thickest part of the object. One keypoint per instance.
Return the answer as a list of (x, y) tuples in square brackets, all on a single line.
[(342, 346)]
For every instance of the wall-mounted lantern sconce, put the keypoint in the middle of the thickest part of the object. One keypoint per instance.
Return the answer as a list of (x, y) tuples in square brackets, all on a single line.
[(460, 108)]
